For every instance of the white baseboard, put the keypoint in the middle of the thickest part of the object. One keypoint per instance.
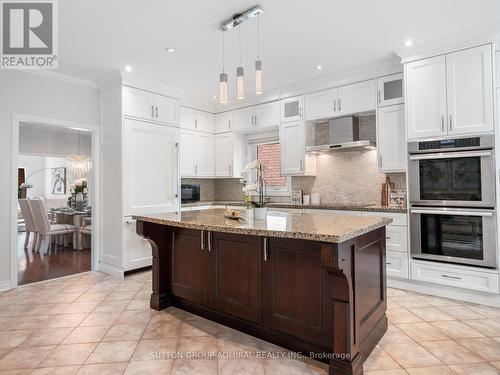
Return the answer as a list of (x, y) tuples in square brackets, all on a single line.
[(445, 291), (4, 285), (111, 270)]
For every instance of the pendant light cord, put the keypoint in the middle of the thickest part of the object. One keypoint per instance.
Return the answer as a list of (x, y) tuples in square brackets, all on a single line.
[(258, 39), (239, 43), (79, 142), (223, 53)]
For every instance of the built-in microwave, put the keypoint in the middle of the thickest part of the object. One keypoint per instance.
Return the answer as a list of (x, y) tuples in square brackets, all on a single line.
[(455, 235), (190, 193), (452, 172)]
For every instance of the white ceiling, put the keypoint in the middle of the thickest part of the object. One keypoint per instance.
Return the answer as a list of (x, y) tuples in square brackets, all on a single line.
[(97, 37)]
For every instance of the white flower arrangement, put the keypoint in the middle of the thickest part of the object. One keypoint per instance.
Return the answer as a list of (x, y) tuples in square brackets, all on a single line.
[(259, 187)]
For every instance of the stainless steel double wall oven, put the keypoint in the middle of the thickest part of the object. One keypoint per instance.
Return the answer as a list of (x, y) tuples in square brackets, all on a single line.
[(452, 200)]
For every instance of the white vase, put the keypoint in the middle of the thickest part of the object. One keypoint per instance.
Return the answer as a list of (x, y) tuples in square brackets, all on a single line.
[(250, 214), (260, 213)]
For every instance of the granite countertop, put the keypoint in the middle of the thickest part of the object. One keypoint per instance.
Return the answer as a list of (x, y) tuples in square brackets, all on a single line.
[(315, 227), (322, 206)]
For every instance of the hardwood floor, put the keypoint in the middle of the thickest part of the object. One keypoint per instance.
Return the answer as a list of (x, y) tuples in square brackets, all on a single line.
[(33, 267)]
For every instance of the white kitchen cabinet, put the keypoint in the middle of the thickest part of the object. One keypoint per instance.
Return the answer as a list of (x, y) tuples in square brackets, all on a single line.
[(497, 64), (244, 118), (396, 264), (204, 122), (188, 118), (349, 99), (425, 83), (321, 104), (138, 253), (205, 154), (150, 154), (224, 122), (138, 103), (229, 154), (397, 238), (357, 97), (391, 138), (196, 154), (267, 115), (192, 119), (466, 277), (257, 117), (469, 78), (148, 106), (294, 160), (390, 90), (292, 109), (450, 94), (187, 153), (166, 109)]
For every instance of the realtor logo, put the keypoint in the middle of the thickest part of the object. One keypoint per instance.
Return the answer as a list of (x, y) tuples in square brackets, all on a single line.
[(29, 34)]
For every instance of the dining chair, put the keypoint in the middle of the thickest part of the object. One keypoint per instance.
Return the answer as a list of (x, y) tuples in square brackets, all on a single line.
[(46, 230), (29, 223), (85, 230)]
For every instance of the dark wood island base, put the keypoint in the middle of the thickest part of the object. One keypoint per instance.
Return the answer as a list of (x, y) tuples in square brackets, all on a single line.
[(324, 300)]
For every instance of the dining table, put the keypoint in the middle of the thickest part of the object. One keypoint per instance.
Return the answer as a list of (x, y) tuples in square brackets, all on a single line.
[(72, 217)]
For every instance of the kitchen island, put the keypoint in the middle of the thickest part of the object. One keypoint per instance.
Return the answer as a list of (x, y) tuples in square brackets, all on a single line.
[(311, 283)]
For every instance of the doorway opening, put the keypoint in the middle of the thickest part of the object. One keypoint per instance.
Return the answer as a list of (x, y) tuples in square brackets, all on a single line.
[(56, 188)]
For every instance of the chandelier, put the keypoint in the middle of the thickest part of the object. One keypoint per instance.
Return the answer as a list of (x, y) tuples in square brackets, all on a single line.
[(79, 165)]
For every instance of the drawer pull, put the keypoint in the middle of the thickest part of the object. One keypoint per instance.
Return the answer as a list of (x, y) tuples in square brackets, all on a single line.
[(387, 237), (389, 263), (451, 277), (202, 235)]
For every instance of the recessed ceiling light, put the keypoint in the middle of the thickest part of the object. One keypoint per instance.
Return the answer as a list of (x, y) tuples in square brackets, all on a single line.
[(319, 67), (214, 96), (408, 42), (170, 49), (128, 68)]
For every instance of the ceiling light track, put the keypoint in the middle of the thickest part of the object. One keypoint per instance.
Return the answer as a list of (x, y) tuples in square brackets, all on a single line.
[(239, 18)]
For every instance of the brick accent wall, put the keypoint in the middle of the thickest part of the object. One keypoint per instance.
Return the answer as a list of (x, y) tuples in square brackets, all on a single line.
[(269, 156)]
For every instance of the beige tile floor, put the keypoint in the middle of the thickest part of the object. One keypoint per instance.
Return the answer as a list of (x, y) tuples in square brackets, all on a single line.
[(93, 324)]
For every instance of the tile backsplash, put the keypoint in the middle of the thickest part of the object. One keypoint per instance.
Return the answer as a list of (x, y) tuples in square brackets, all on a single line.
[(350, 177)]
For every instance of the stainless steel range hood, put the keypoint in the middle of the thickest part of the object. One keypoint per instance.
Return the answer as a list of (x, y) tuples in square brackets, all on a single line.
[(339, 134)]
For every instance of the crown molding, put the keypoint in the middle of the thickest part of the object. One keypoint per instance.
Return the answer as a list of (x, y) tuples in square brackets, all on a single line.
[(62, 77), (484, 35)]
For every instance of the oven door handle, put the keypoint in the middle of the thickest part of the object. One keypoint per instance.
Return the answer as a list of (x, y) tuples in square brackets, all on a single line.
[(451, 155), (450, 212)]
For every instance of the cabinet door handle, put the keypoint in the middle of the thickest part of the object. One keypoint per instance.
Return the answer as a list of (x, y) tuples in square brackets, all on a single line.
[(196, 123), (442, 123), (229, 169), (451, 277), (388, 263), (152, 111), (300, 112), (156, 111), (196, 169), (380, 160), (340, 108), (209, 240), (255, 119), (229, 124), (266, 255), (451, 122), (379, 96), (202, 234), (334, 105), (301, 164)]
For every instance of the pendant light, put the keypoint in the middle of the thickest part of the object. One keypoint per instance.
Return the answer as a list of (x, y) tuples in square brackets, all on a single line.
[(258, 65), (240, 84), (223, 77), (79, 165)]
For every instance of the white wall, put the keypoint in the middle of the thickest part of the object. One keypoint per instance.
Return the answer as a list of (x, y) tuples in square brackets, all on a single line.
[(50, 141), (38, 96)]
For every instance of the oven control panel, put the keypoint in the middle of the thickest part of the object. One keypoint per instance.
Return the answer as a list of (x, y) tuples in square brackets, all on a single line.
[(449, 143)]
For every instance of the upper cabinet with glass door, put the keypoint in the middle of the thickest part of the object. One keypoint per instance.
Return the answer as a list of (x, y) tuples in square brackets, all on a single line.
[(390, 90), (292, 109)]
